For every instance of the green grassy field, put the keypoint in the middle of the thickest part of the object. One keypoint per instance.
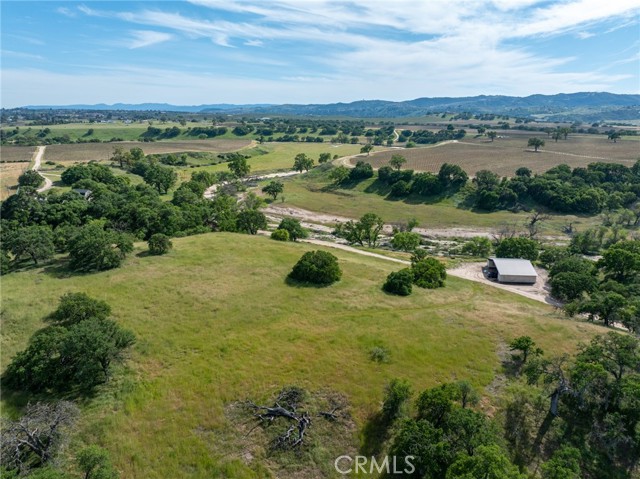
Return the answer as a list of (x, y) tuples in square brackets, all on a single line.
[(314, 192), (216, 323)]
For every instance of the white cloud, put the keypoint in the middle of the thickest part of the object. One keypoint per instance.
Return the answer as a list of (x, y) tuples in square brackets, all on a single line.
[(145, 38), (66, 12)]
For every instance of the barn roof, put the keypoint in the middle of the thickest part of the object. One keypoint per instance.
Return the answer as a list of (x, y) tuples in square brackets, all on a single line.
[(514, 267)]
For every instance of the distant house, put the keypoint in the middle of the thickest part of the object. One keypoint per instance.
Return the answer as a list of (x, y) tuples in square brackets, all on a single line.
[(511, 270)]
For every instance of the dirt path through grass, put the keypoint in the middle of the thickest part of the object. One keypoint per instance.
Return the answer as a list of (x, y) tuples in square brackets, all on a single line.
[(37, 161)]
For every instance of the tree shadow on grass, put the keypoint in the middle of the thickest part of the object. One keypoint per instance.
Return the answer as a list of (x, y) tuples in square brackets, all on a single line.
[(375, 432), (304, 284)]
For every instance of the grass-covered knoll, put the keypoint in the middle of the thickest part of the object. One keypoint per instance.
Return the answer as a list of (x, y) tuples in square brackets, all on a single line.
[(316, 192), (216, 322)]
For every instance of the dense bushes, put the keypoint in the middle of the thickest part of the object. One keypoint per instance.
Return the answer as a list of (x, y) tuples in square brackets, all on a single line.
[(31, 179), (399, 282), (316, 267), (429, 273), (92, 248), (159, 244), (517, 248), (280, 235)]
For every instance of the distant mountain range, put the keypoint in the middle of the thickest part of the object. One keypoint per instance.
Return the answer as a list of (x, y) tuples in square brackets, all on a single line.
[(587, 106)]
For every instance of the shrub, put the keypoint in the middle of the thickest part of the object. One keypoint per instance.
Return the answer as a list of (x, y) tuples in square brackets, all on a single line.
[(280, 235), (316, 267), (159, 244), (400, 188), (405, 241), (429, 273), (477, 246), (294, 228), (379, 354), (361, 171), (399, 282)]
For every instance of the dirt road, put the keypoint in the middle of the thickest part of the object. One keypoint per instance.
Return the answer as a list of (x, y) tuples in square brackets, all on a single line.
[(37, 161)]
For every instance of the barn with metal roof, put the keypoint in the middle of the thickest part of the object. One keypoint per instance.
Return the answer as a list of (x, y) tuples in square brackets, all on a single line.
[(511, 270)]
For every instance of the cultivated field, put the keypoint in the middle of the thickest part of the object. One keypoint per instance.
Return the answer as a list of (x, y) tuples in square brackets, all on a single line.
[(509, 152), (218, 324), (103, 151), (9, 173), (16, 153)]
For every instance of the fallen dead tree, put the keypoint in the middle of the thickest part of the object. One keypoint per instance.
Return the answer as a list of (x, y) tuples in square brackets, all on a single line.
[(286, 407)]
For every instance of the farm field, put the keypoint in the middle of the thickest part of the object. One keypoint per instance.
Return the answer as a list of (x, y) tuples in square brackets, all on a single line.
[(509, 152), (315, 192), (16, 153), (103, 151), (218, 324), (9, 173)]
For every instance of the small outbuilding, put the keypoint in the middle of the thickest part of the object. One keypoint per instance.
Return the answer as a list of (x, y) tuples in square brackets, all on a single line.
[(511, 270)]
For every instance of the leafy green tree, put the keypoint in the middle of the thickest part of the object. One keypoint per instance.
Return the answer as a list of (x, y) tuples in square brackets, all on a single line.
[(452, 176), (564, 464), (34, 242), (324, 158), (487, 462), (250, 221), (361, 171), (239, 166), (396, 398), (621, 261), (569, 286), (159, 244), (94, 463), (5, 262), (205, 177), (302, 162), (364, 232), (161, 177), (400, 189), (397, 161), (405, 241), (492, 135), (535, 143), (524, 172), (614, 136), (399, 282), (316, 267), (294, 228), (366, 149), (121, 157), (526, 346), (273, 189), (477, 246), (76, 307), (93, 248), (31, 178), (517, 248), (339, 174), (429, 273), (280, 235)]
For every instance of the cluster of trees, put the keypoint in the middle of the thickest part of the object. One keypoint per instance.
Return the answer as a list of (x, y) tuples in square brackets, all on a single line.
[(607, 290), (422, 137), (425, 272), (445, 435), (591, 190), (75, 353), (98, 230), (289, 229), (562, 417), (450, 178), (577, 414)]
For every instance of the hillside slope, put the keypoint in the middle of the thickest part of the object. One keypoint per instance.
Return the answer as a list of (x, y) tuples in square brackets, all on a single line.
[(216, 323)]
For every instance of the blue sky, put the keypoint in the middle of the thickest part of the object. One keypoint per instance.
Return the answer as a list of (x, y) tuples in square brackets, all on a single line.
[(313, 51)]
